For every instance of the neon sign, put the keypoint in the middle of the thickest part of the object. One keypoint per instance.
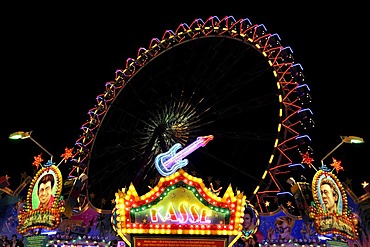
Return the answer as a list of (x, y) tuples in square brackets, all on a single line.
[(169, 162), (184, 214), (179, 204)]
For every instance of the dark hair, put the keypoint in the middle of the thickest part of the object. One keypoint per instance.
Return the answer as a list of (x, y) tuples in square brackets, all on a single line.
[(47, 178), (249, 211)]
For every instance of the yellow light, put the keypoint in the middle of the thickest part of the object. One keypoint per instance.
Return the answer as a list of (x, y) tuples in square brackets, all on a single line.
[(20, 135), (352, 139), (345, 139), (255, 191)]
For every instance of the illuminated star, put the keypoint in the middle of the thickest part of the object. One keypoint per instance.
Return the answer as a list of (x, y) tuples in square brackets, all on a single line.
[(37, 161), (336, 165), (67, 154), (364, 184), (289, 203), (92, 195), (112, 201), (267, 203), (306, 159)]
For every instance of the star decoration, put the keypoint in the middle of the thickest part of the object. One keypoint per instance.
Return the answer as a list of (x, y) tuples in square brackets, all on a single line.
[(218, 182), (92, 195), (289, 204), (364, 184), (349, 182), (267, 203), (23, 176), (306, 159), (103, 201), (37, 161), (336, 165), (112, 201), (67, 154)]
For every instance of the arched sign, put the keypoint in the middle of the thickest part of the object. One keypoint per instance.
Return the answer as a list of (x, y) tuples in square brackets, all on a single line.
[(330, 209), (44, 204), (180, 204)]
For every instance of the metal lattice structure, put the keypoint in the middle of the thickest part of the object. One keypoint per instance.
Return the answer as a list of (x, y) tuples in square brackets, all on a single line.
[(178, 117)]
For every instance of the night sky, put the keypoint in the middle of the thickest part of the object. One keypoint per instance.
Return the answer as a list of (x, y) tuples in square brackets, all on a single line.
[(56, 61)]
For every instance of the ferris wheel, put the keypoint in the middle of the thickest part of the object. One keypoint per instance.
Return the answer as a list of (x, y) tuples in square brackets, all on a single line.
[(228, 78)]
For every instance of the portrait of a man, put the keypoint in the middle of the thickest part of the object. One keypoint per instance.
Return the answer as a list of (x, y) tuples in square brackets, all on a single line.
[(44, 190), (329, 195), (330, 211), (44, 204)]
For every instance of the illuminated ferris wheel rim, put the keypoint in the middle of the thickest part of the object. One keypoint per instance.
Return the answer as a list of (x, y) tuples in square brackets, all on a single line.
[(286, 72)]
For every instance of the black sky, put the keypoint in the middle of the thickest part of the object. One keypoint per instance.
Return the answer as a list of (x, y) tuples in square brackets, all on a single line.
[(55, 61)]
